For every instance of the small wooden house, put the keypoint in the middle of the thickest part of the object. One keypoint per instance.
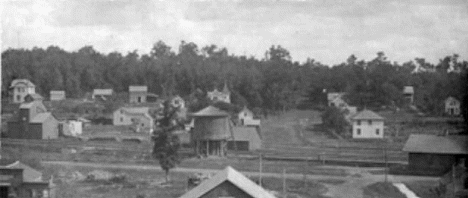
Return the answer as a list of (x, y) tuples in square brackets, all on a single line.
[(452, 106), (137, 94), (408, 94), (57, 95), (228, 183), (224, 96), (245, 139), (212, 129), (367, 124)]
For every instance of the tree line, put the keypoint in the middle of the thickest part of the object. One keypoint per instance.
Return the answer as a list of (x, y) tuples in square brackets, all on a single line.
[(273, 82)]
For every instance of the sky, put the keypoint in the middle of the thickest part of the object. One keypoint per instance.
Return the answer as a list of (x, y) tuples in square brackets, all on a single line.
[(328, 31)]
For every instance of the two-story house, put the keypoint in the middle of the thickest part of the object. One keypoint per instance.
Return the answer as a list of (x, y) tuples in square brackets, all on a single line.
[(367, 124), (21, 88), (224, 96)]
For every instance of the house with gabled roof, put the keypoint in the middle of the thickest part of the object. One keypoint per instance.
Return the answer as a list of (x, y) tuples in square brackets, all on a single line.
[(245, 138), (137, 94), (102, 94), (21, 88), (228, 183), (452, 106), (408, 94), (367, 124), (137, 117), (56, 95), (33, 121), (245, 117), (436, 152), (224, 95)]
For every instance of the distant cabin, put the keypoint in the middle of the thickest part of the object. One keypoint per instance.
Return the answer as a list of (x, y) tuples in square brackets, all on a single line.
[(138, 117), (228, 183), (137, 94), (408, 94), (224, 96), (102, 94), (245, 117), (436, 153), (452, 106), (367, 124), (20, 88), (56, 95), (33, 122)]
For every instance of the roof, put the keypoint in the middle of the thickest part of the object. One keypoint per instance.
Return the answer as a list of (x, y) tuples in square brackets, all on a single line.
[(41, 117), (102, 92), (367, 115), (451, 144), (58, 92), (35, 96), (26, 82), (134, 110), (226, 89), (450, 98), (29, 174), (210, 111), (245, 133), (138, 88), (231, 175), (334, 95), (408, 90), (28, 105)]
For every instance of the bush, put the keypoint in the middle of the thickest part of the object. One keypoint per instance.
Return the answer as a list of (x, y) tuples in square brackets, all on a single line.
[(334, 119)]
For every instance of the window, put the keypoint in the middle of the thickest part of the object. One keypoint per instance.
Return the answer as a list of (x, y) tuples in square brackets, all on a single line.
[(245, 114), (370, 122), (121, 119), (359, 122), (18, 98), (139, 99), (358, 131), (121, 111), (377, 131)]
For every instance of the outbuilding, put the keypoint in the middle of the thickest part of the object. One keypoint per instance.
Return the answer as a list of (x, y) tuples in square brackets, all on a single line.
[(245, 139), (212, 129), (436, 152), (57, 95)]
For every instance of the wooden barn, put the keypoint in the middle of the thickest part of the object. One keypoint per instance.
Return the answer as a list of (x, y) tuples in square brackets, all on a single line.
[(228, 183), (245, 139), (212, 129), (436, 153)]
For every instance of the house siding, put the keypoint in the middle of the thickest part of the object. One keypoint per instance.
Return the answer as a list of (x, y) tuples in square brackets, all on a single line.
[(368, 130), (435, 162), (50, 128)]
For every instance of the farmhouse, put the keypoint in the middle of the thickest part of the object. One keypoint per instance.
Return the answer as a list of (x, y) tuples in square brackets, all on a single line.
[(33, 122), (20, 180), (137, 117), (367, 124), (137, 94), (245, 139), (228, 183), (21, 88), (452, 106), (224, 96), (408, 94), (436, 153), (212, 129), (56, 95), (101, 94), (245, 117)]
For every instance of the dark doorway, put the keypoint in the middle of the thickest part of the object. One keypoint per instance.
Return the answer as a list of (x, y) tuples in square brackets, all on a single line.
[(3, 191)]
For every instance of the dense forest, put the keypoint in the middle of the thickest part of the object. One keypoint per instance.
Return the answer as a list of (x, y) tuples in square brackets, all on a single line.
[(274, 82)]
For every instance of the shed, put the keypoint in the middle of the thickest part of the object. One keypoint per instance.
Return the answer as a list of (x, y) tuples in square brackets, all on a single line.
[(437, 153), (137, 94), (228, 183), (245, 139), (212, 129)]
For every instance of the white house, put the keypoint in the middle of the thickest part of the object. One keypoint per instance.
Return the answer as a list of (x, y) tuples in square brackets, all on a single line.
[(224, 96), (246, 118), (72, 128), (21, 88), (137, 117), (367, 124), (452, 106), (56, 95), (102, 93), (336, 99)]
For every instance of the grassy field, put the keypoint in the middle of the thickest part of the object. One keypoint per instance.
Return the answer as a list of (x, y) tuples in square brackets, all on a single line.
[(147, 184)]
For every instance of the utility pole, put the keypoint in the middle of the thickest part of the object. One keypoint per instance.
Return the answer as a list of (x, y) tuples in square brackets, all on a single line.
[(386, 162), (261, 170), (284, 183)]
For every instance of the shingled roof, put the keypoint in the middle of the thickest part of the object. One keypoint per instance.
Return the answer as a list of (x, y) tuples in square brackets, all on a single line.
[(450, 144), (26, 82), (367, 115), (210, 111), (231, 175)]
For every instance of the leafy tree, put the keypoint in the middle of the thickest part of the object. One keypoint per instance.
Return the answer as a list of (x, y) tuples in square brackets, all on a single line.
[(334, 119), (166, 143)]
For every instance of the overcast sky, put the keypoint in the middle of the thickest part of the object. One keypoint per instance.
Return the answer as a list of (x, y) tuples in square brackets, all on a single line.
[(327, 31)]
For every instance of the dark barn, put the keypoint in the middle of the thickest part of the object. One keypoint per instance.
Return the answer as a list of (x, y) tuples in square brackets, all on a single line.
[(436, 153)]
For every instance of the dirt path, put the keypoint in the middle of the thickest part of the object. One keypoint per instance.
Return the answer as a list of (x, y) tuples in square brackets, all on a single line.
[(352, 187)]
